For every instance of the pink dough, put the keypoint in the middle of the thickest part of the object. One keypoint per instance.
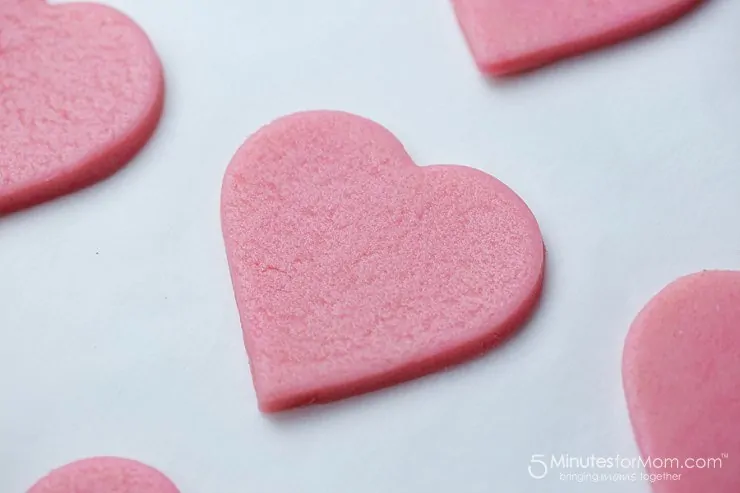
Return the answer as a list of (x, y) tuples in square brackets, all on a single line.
[(508, 36), (682, 381), (81, 92), (355, 269), (105, 475)]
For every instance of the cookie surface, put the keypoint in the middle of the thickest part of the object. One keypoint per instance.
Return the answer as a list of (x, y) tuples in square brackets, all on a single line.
[(509, 36), (681, 375), (105, 475), (354, 268), (81, 92)]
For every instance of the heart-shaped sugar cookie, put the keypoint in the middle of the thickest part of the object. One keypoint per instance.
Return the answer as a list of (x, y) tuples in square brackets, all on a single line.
[(104, 475), (508, 36), (681, 375), (355, 269), (81, 92)]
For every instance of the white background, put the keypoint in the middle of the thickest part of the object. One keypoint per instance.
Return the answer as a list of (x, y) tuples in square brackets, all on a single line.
[(118, 330)]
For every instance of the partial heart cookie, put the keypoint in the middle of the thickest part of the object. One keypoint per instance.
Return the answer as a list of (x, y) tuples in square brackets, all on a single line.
[(355, 269), (104, 475), (81, 92), (509, 36), (681, 374)]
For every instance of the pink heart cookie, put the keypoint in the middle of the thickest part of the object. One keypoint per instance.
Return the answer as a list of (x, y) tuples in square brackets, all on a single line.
[(509, 36), (105, 475), (355, 269), (681, 374), (81, 92)]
